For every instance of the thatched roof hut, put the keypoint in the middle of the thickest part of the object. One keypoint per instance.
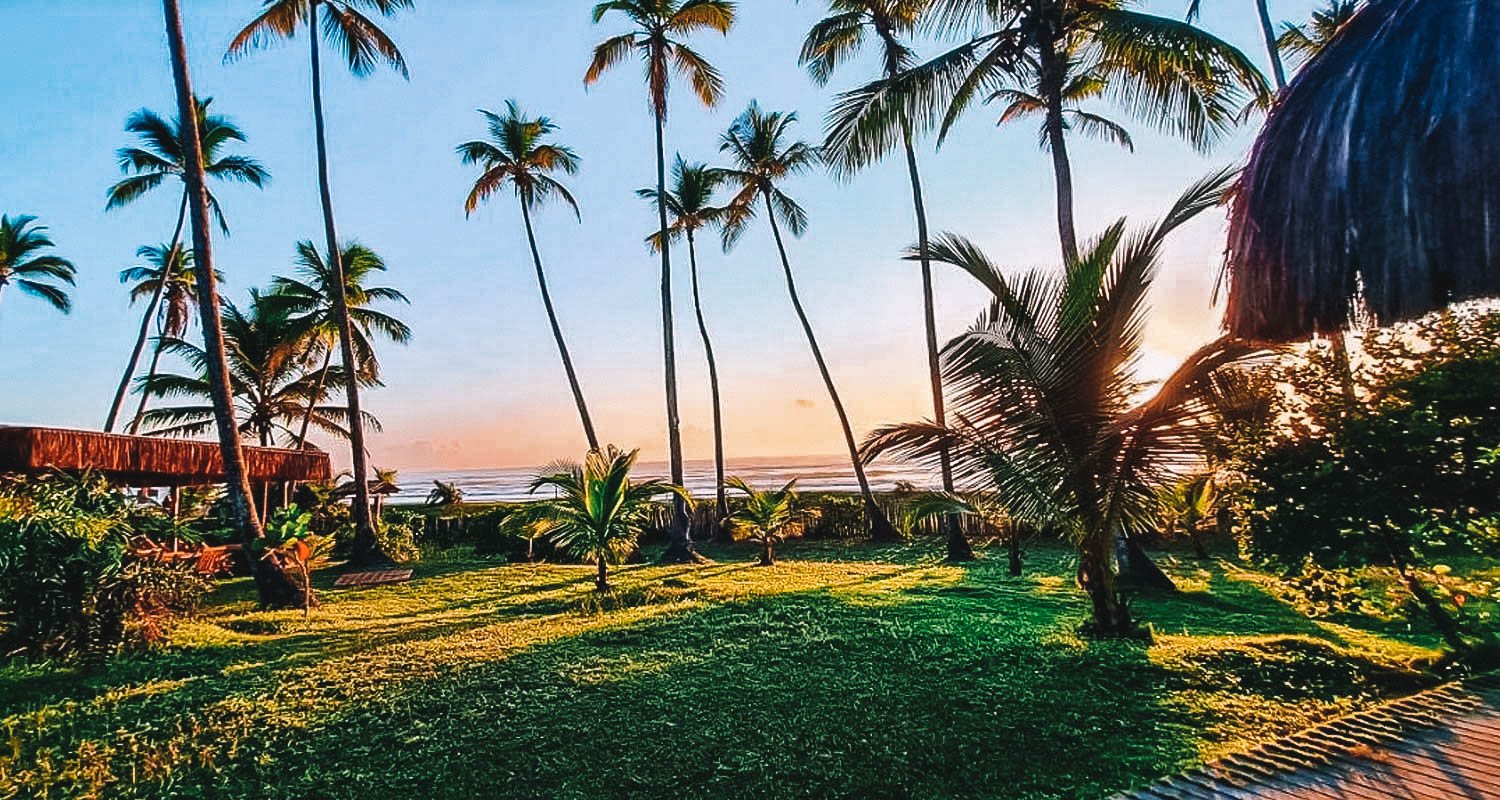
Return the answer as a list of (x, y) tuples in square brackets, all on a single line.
[(148, 460), (1376, 177)]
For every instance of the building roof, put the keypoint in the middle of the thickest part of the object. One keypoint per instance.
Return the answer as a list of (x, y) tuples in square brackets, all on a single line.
[(148, 460), (1442, 744)]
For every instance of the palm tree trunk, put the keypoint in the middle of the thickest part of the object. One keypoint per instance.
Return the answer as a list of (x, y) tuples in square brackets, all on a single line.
[(366, 548), (140, 339), (275, 587), (721, 505), (880, 527), (140, 409), (317, 396), (1062, 171), (601, 578), (562, 347), (958, 546), (1272, 51), (680, 540), (1110, 616)]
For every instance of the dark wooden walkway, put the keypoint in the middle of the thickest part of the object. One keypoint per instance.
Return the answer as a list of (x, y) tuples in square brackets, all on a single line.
[(1442, 744)]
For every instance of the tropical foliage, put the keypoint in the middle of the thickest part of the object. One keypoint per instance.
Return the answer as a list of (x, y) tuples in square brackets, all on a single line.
[(765, 516), (1304, 41), (1046, 397), (169, 280), (35, 274), (599, 512)]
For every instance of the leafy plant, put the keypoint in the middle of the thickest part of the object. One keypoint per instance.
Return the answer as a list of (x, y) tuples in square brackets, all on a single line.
[(765, 516), (599, 513), (290, 541)]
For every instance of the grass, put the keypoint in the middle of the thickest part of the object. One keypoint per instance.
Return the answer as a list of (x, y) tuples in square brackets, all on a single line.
[(843, 671)]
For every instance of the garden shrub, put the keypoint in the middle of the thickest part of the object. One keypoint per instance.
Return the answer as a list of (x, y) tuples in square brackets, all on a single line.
[(69, 584)]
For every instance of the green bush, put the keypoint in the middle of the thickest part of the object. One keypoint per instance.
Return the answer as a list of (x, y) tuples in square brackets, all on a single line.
[(69, 586)]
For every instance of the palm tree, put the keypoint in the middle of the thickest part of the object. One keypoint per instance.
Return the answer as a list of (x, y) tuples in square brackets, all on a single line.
[(1045, 397), (757, 145), (832, 41), (159, 157), (1267, 32), (1083, 84), (445, 494), (272, 390), (656, 23), (34, 274), (167, 278), (1165, 72), (984, 506), (1185, 505), (599, 513), (690, 202), (275, 586), (765, 516), (363, 45), (517, 153), (1305, 41), (311, 300)]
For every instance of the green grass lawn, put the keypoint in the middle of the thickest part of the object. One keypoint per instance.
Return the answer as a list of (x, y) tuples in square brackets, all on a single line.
[(842, 672)]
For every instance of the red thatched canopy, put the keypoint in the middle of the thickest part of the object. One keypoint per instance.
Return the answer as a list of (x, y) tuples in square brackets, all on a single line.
[(147, 460), (1377, 176)]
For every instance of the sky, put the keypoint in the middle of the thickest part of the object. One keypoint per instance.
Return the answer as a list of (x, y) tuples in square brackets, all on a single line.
[(480, 385)]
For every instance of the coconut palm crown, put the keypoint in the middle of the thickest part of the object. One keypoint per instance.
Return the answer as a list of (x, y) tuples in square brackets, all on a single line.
[(33, 273)]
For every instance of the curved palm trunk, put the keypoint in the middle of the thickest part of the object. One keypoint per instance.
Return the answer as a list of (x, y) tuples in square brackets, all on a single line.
[(680, 540), (880, 527), (721, 505), (1272, 50), (275, 586), (317, 397), (140, 409), (1062, 171), (958, 546), (145, 332), (562, 347), (366, 549)]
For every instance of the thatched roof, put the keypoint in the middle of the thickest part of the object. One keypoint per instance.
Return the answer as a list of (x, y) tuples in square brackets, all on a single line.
[(1377, 174), (147, 460)]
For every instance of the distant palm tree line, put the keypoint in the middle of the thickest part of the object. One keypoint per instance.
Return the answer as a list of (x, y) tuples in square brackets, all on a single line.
[(1038, 57)]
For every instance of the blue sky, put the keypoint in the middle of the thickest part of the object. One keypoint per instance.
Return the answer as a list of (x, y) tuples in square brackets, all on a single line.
[(480, 385)]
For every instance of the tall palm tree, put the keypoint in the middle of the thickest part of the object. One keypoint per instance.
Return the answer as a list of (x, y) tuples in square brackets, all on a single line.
[(32, 273), (1304, 41), (1165, 72), (275, 586), (1268, 35), (599, 512), (1045, 395), (272, 390), (311, 300), (757, 145), (832, 41), (690, 202), (363, 45), (167, 278), (159, 157), (518, 153), (656, 23)]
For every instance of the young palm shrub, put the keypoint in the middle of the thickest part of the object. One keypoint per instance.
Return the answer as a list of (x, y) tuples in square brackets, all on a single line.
[(1045, 398), (985, 507), (518, 154), (757, 144), (765, 516), (34, 274), (160, 157), (445, 495), (1186, 505), (599, 512), (656, 37)]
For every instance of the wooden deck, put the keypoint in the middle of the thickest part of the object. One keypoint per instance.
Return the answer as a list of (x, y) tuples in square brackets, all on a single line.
[(1442, 744)]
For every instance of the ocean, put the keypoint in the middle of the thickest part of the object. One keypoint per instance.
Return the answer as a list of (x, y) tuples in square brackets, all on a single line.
[(813, 474)]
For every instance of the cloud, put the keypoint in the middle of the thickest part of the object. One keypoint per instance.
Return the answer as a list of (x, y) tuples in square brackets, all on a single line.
[(803, 402)]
